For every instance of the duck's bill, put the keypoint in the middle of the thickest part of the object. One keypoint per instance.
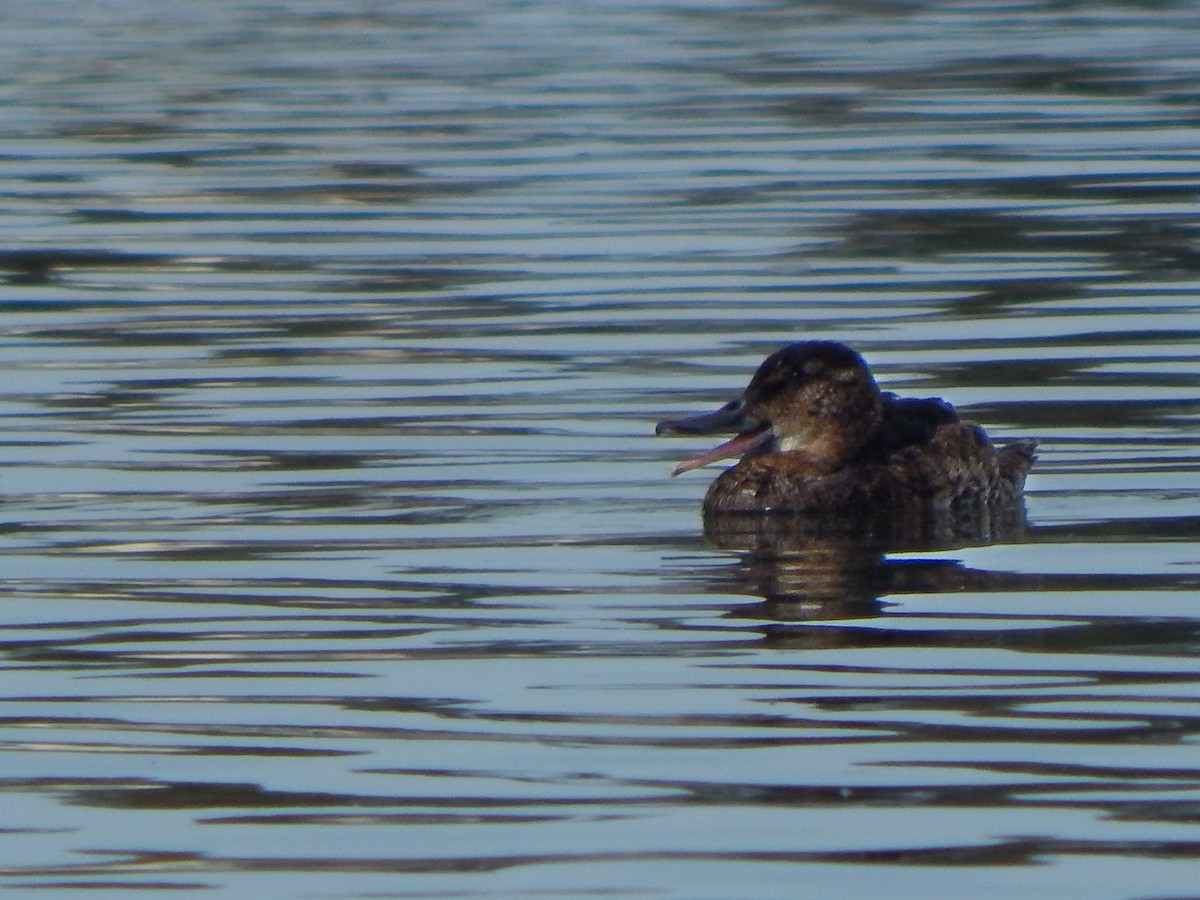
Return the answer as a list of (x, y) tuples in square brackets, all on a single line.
[(737, 446), (730, 417)]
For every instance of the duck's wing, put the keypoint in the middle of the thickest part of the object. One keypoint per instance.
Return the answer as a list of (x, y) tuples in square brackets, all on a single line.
[(908, 421)]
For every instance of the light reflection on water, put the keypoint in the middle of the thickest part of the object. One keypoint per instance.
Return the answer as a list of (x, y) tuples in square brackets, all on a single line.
[(339, 557)]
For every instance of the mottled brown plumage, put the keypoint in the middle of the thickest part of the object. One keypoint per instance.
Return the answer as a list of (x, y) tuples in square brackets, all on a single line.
[(817, 438)]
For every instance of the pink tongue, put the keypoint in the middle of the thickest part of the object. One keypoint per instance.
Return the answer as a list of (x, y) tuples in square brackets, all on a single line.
[(738, 445)]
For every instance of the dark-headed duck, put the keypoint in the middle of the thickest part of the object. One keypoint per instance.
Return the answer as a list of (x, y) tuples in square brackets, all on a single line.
[(818, 438)]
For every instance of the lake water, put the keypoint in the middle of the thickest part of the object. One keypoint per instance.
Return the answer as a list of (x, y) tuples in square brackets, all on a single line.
[(340, 560)]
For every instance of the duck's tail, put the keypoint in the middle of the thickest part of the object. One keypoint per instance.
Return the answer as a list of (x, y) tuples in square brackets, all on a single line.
[(1015, 460)]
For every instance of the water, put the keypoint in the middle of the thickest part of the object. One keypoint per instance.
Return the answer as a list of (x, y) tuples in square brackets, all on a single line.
[(339, 558)]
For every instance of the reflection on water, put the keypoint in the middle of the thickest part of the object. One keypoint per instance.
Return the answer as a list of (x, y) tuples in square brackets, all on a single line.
[(338, 553)]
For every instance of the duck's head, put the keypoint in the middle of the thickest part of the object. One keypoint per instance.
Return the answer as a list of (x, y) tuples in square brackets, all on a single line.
[(816, 399)]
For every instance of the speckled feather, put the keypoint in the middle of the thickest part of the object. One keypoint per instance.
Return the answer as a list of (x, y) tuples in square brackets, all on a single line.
[(954, 466)]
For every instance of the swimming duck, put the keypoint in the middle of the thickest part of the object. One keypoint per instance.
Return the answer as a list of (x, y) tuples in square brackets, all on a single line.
[(817, 438)]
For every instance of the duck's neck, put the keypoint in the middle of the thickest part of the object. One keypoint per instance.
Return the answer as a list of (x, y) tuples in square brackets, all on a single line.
[(830, 442)]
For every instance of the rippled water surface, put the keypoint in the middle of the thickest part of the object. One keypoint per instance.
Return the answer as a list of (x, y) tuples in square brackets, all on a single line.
[(339, 559)]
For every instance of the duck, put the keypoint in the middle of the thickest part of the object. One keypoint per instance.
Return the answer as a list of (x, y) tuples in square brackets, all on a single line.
[(815, 437)]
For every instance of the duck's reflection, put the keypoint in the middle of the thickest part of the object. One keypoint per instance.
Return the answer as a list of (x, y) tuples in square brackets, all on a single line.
[(809, 571)]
